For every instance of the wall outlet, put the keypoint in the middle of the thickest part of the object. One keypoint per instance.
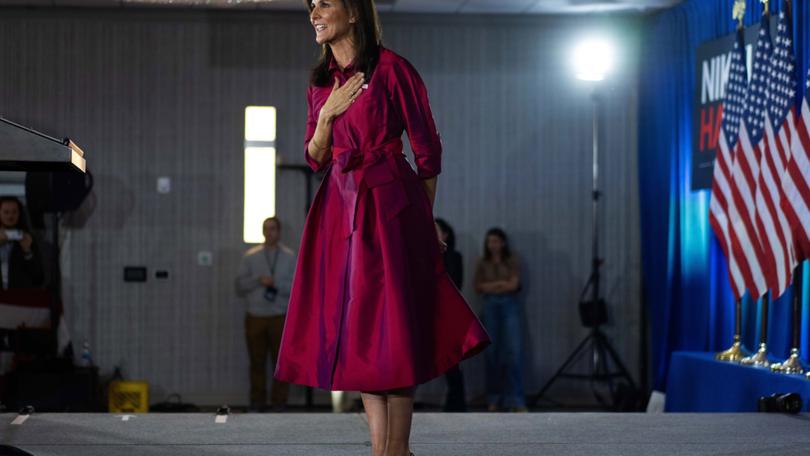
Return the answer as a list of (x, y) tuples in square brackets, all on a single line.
[(205, 258)]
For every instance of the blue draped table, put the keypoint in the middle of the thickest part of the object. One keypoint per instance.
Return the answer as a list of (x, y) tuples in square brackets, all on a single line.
[(699, 383)]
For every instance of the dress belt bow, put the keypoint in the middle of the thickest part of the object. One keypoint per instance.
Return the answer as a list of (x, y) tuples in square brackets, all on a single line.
[(350, 159)]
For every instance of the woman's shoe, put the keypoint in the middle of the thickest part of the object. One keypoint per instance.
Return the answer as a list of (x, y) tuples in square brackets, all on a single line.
[(492, 408)]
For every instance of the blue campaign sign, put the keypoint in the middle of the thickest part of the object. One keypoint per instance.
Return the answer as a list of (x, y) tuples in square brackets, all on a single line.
[(713, 62)]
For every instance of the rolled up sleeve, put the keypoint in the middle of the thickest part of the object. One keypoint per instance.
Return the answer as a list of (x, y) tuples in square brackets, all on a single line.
[(312, 123), (409, 96)]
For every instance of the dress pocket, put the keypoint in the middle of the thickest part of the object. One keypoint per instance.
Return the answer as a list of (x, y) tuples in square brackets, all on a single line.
[(386, 188)]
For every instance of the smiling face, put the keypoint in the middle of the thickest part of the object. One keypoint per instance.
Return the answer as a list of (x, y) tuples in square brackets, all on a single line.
[(332, 21)]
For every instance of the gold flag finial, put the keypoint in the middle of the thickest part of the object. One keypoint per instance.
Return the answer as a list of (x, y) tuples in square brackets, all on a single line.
[(765, 6), (739, 12)]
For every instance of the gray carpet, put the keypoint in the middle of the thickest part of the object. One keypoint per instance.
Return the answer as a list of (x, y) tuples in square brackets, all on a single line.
[(472, 434)]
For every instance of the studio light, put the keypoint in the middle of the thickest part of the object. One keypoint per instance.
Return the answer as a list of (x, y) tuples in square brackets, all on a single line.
[(593, 59)]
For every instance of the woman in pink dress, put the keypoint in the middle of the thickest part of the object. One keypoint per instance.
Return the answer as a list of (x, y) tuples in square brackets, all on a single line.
[(372, 308)]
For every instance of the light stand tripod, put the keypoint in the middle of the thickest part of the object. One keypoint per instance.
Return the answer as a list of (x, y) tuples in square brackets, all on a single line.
[(593, 312)]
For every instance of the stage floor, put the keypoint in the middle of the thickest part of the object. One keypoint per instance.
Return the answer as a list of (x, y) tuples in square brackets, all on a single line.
[(470, 434)]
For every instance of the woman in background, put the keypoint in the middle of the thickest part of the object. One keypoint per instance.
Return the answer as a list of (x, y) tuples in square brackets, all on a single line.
[(497, 279), (454, 264)]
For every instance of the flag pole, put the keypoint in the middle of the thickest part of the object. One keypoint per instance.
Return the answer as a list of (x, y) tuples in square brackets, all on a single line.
[(760, 358), (738, 13), (793, 365), (736, 352)]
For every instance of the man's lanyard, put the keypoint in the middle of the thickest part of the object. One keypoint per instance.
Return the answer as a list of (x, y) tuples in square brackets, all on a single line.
[(275, 260)]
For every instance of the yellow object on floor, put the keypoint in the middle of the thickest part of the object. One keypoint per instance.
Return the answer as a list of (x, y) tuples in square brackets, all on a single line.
[(128, 397)]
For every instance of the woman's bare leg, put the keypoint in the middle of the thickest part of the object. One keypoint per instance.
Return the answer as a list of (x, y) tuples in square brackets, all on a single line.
[(376, 406), (400, 415)]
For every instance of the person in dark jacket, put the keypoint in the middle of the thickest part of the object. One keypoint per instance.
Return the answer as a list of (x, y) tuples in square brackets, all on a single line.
[(454, 264), (20, 261)]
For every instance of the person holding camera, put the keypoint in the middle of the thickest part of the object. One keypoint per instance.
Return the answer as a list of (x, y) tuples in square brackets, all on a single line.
[(20, 262), (264, 280)]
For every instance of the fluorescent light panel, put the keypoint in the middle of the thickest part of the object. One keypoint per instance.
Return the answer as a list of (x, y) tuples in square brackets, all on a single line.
[(260, 171), (260, 123)]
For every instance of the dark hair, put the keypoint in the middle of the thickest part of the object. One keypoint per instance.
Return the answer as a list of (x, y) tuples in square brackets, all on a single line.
[(367, 38), (447, 229), (22, 221), (507, 252), (275, 219)]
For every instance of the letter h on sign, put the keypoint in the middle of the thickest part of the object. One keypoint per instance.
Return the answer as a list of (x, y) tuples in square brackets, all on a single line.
[(710, 126)]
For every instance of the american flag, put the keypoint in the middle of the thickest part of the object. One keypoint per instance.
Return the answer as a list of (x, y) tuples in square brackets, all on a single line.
[(780, 119), (746, 247), (721, 190), (796, 181)]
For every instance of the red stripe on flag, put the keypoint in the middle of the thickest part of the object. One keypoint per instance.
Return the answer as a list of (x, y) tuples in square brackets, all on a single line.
[(797, 199), (772, 227), (745, 242), (719, 215)]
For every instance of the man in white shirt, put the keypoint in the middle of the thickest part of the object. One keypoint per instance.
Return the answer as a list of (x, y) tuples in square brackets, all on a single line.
[(264, 281)]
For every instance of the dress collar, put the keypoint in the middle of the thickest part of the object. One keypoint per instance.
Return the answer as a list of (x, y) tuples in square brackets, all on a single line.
[(334, 66)]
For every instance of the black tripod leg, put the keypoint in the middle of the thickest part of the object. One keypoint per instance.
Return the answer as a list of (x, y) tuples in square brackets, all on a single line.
[(571, 358), (615, 356), (600, 369)]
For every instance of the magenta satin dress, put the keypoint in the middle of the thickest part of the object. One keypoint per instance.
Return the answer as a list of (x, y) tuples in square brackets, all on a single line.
[(371, 306)]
